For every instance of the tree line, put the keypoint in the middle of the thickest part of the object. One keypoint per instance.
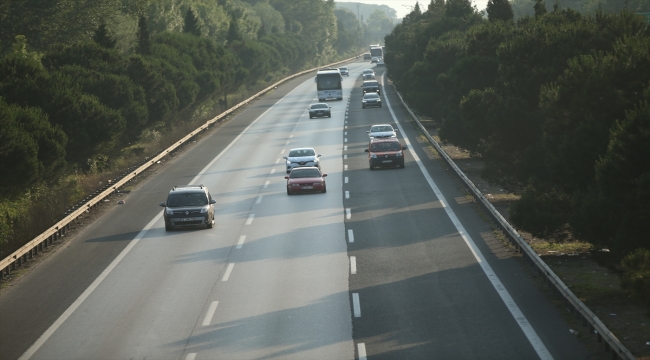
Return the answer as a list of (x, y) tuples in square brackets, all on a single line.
[(557, 105), (86, 84)]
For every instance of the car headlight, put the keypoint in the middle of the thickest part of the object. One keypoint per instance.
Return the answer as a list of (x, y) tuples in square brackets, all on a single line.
[(204, 210), (372, 155), (399, 154), (169, 211), (363, 100), (288, 162), (295, 184)]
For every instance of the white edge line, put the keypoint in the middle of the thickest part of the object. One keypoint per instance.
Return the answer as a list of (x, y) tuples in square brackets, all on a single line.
[(71, 309), (226, 276), (507, 299), (208, 316)]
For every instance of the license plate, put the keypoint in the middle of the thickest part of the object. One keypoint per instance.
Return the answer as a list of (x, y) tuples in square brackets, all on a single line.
[(307, 187), (187, 219), (387, 161)]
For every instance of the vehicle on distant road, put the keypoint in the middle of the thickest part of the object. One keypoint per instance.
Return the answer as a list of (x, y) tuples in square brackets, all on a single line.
[(319, 110), (367, 56), (385, 152), (302, 157), (188, 205), (344, 71), (365, 72), (306, 179), (371, 86), (374, 60), (370, 99), (382, 131), (328, 84)]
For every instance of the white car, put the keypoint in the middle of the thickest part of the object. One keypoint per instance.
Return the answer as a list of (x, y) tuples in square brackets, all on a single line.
[(344, 71), (369, 72), (382, 131), (374, 60), (301, 157)]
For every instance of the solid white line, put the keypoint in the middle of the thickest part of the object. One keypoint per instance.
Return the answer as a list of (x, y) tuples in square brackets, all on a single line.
[(355, 305), (240, 243), (353, 265), (250, 219), (346, 179), (226, 276), (259, 199), (266, 184), (46, 335), (361, 348), (192, 356), (71, 309), (347, 194), (348, 213), (525, 326), (350, 236), (208, 316)]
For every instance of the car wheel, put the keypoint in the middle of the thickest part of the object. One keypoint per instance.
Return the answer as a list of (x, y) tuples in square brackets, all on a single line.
[(379, 105), (363, 106), (329, 116), (324, 189), (168, 227), (372, 167), (401, 166), (288, 192), (311, 117), (210, 224)]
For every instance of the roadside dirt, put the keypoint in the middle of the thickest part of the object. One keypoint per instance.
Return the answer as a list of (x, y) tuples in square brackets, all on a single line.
[(574, 263)]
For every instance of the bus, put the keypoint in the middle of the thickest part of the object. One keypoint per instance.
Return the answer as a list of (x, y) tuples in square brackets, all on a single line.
[(376, 51), (328, 84)]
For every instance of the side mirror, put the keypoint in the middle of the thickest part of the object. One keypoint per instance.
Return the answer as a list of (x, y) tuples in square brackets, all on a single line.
[(162, 204), (286, 177), (319, 155), (284, 157), (324, 175), (366, 150), (368, 131), (405, 147), (396, 130), (213, 201)]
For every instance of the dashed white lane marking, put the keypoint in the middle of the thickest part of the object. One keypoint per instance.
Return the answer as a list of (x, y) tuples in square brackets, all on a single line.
[(346, 180), (345, 139), (347, 194), (346, 121), (355, 305), (353, 265), (348, 213), (345, 167), (226, 276), (361, 348), (507, 299), (290, 136), (240, 243), (345, 133), (345, 148), (282, 152), (208, 316), (346, 127), (345, 157), (259, 199), (190, 356), (350, 236), (277, 161), (250, 219), (287, 143), (272, 171), (266, 184)]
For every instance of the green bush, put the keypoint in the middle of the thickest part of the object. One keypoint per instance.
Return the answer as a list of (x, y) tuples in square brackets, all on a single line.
[(635, 278)]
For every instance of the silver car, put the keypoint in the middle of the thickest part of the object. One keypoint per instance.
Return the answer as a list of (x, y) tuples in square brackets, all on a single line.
[(344, 71), (382, 131), (302, 157)]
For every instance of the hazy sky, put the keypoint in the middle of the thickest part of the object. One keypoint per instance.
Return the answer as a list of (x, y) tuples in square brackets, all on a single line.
[(403, 7)]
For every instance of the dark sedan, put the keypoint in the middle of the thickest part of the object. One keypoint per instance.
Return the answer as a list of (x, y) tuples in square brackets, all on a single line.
[(305, 179), (319, 110)]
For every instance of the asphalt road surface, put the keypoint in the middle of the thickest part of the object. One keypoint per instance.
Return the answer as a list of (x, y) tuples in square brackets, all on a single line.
[(388, 264)]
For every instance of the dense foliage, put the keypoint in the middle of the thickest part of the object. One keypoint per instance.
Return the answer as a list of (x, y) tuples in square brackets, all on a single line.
[(85, 84), (556, 105)]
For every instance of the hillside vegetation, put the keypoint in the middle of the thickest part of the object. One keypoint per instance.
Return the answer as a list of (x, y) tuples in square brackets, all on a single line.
[(556, 104)]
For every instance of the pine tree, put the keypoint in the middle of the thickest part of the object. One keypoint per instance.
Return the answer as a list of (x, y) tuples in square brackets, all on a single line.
[(499, 10), (144, 38), (191, 25), (102, 37), (540, 8), (436, 9), (233, 31)]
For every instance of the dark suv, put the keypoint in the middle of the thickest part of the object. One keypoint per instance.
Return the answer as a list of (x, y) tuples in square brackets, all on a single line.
[(385, 152), (188, 205)]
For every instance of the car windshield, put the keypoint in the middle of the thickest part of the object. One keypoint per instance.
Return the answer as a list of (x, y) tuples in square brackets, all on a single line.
[(368, 71), (381, 128), (319, 106), (304, 173), (370, 83), (301, 152), (343, 68), (187, 199), (370, 96), (387, 146)]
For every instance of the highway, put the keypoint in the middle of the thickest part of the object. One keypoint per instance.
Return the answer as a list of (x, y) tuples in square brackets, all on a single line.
[(388, 264)]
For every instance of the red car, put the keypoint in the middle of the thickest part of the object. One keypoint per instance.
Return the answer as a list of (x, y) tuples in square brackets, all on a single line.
[(305, 179)]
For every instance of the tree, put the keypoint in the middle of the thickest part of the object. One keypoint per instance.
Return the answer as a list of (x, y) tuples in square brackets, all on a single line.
[(144, 39), (103, 38), (191, 24), (499, 10), (459, 8), (233, 31), (436, 9), (540, 8)]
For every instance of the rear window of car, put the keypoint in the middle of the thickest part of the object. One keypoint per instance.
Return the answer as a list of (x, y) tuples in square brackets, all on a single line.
[(301, 152), (385, 146), (187, 199), (319, 106), (370, 83), (370, 96)]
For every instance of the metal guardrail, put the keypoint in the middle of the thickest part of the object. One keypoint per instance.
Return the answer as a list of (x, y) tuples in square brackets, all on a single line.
[(574, 305), (32, 248)]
